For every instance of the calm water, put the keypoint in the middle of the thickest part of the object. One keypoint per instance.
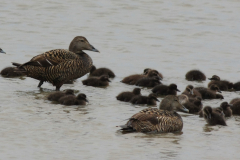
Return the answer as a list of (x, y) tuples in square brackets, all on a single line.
[(172, 37)]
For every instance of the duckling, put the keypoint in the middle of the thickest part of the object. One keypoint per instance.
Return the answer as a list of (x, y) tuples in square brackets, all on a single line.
[(234, 100), (81, 99), (183, 98), (146, 70), (191, 92), (166, 90), (127, 96), (195, 75), (68, 100), (101, 71), (194, 105), (218, 110), (55, 96), (222, 84), (132, 79), (150, 99), (1, 51), (148, 81), (213, 118), (11, 72), (97, 81), (161, 120), (236, 108), (236, 86), (210, 93), (226, 109)]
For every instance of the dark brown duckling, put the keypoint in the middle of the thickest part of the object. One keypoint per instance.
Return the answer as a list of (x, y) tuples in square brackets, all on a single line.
[(183, 98), (132, 79), (11, 72), (222, 84), (1, 51), (55, 96), (218, 110), (81, 99), (195, 75), (194, 106), (226, 109), (68, 100), (236, 108), (127, 96), (101, 71), (148, 81), (213, 118), (150, 99), (166, 90), (191, 92), (146, 70), (234, 100), (164, 119), (97, 81), (236, 86), (210, 93)]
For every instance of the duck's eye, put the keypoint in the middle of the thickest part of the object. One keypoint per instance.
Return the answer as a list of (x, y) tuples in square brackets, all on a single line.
[(82, 40)]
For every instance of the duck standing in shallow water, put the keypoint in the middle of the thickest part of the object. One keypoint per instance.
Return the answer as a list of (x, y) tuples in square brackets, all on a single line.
[(213, 118), (160, 120), (127, 96), (101, 71), (60, 65), (97, 81)]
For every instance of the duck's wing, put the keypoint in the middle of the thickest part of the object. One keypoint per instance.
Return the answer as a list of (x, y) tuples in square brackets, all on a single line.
[(51, 58)]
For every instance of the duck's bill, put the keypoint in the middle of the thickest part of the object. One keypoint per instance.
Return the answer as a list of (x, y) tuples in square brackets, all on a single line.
[(178, 90), (1, 51), (93, 49), (184, 109)]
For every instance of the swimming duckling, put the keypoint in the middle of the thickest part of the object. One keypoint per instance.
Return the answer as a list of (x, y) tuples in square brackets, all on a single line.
[(236, 108), (148, 81), (194, 105), (97, 81), (234, 100), (191, 92), (195, 75), (1, 51), (11, 72), (166, 90), (165, 119), (68, 100), (213, 118), (101, 71), (55, 96), (183, 98), (210, 93), (132, 79), (236, 86), (226, 109), (81, 99), (150, 99), (218, 110), (222, 84), (146, 70), (127, 96)]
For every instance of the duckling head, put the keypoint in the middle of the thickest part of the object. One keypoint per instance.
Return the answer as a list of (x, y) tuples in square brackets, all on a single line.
[(137, 91), (215, 78), (225, 105), (189, 88), (82, 96), (80, 43), (174, 87), (93, 68), (207, 111), (214, 87), (105, 78), (146, 70), (1, 51), (153, 96), (171, 103), (154, 73)]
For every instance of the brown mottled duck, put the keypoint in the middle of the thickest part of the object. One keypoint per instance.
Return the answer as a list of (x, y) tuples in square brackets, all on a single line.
[(60, 65), (160, 120)]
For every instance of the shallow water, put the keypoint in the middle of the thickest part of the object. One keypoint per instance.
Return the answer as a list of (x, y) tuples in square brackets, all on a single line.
[(172, 37)]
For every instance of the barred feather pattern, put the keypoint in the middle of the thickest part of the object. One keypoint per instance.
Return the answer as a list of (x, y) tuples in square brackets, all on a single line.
[(155, 120), (68, 66)]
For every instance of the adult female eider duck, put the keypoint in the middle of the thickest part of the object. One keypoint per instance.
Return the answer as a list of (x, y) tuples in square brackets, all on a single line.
[(60, 65), (101, 71), (160, 120)]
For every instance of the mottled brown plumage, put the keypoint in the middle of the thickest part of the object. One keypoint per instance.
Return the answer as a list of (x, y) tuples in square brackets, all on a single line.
[(127, 96), (157, 120), (60, 65), (11, 72), (195, 75), (55, 96), (222, 84), (101, 71), (97, 81)]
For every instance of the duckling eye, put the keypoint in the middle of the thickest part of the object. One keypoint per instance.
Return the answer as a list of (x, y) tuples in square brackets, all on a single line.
[(82, 40)]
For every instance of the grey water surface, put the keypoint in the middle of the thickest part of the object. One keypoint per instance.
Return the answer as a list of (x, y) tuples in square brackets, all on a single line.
[(170, 36)]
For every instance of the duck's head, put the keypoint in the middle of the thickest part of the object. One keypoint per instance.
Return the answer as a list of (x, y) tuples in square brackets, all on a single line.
[(146, 70), (215, 88), (1, 51), (220, 111), (137, 91), (183, 98), (207, 111), (215, 78), (105, 78), (174, 87), (82, 96), (80, 43), (171, 103), (189, 89), (225, 105), (154, 73), (93, 68), (153, 96), (69, 91)]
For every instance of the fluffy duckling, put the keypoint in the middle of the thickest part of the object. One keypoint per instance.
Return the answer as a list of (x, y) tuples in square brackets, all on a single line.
[(213, 118), (183, 98), (1, 51), (226, 109), (148, 81), (146, 70), (127, 96), (166, 90), (164, 119), (210, 93), (236, 86), (195, 75), (150, 99), (97, 81), (218, 110), (234, 100), (68, 100), (191, 92), (11, 72), (101, 71), (55, 96), (222, 84), (132, 79), (194, 105), (236, 108)]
